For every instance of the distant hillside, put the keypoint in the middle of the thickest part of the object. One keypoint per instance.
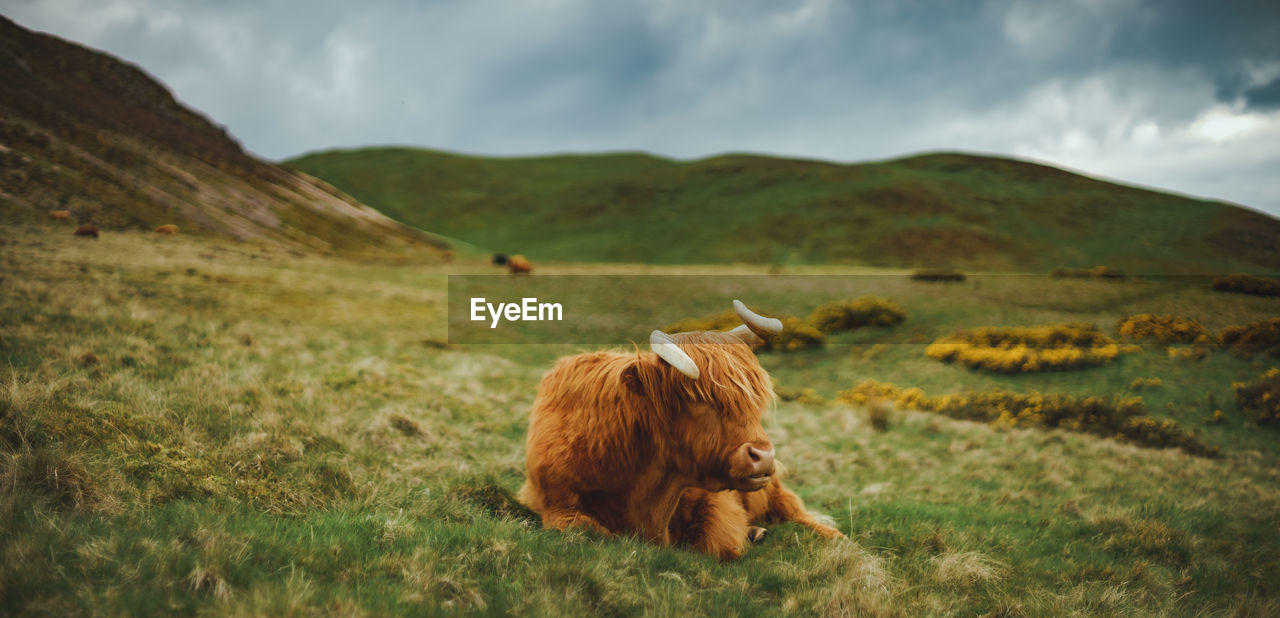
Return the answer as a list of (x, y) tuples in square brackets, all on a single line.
[(85, 132), (957, 210)]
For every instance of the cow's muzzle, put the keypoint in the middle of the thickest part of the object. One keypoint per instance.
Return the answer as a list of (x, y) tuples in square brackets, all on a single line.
[(753, 467)]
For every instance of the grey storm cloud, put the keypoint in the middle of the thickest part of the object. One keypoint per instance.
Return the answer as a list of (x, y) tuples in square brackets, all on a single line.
[(1180, 95)]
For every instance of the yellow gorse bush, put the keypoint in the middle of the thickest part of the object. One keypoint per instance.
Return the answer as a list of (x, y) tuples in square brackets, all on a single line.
[(1163, 329), (1260, 399), (1027, 349), (796, 333), (1122, 418), (1140, 383), (802, 395), (1187, 352)]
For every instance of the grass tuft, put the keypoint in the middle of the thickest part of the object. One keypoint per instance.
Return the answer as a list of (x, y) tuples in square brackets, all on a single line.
[(497, 501), (965, 568)]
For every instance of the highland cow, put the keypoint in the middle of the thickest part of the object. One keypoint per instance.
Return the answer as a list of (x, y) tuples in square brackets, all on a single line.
[(60, 215), (519, 265), (666, 444), (167, 229), (87, 231)]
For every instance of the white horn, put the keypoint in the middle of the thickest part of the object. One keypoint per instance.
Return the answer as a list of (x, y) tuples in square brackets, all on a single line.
[(763, 327), (665, 347)]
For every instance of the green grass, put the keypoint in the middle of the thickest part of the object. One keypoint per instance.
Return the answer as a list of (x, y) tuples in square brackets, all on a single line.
[(947, 210), (190, 426)]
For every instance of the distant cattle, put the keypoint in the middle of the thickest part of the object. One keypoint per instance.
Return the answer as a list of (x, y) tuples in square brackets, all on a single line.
[(665, 444), (87, 231), (499, 259), (519, 265), (168, 229), (60, 215)]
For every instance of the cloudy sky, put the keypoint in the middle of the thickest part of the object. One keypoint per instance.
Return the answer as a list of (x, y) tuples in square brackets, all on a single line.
[(1176, 94)]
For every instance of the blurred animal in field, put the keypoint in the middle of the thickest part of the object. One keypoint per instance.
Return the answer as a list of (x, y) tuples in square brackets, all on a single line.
[(666, 444), (168, 229), (499, 259), (60, 215), (87, 231), (519, 265)]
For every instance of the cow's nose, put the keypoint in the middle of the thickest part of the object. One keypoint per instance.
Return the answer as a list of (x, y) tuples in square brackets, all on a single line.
[(761, 460)]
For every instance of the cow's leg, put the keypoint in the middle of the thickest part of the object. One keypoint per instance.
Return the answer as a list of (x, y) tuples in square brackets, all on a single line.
[(563, 518), (713, 523), (559, 510), (783, 505)]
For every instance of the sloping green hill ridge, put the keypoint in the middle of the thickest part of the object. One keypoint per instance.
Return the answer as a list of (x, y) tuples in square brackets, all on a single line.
[(946, 209), (88, 133)]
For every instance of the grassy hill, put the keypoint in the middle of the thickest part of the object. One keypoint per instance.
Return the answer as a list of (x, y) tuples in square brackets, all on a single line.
[(957, 210), (197, 426), (85, 132)]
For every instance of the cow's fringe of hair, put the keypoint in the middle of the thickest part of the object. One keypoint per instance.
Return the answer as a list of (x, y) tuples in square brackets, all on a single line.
[(731, 377)]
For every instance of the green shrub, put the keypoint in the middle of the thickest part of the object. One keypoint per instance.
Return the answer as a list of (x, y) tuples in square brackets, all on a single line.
[(1262, 336), (842, 315), (1247, 284), (945, 275), (1101, 272), (800, 395), (723, 320)]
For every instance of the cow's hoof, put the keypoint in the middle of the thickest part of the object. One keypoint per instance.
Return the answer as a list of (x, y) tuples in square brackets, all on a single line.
[(829, 532), (755, 533)]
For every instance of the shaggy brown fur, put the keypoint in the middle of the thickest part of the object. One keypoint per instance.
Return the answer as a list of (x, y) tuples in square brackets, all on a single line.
[(60, 215), (721, 523), (87, 231), (519, 265), (616, 440), (167, 228)]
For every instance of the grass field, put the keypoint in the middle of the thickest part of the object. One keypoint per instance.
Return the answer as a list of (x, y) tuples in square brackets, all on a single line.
[(942, 209), (195, 426)]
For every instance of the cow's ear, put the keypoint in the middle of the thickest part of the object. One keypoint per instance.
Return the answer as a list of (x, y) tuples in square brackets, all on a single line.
[(748, 337), (631, 378)]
